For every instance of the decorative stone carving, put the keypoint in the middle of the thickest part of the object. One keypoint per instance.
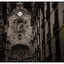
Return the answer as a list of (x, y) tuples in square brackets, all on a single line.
[(19, 32)]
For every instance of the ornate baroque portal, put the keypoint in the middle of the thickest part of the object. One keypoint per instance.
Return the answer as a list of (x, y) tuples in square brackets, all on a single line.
[(19, 34)]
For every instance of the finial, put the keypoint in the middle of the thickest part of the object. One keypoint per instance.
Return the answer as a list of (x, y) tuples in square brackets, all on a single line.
[(19, 5)]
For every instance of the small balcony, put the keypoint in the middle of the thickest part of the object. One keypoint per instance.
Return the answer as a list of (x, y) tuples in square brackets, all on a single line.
[(36, 50), (49, 58), (43, 24), (54, 4), (43, 43), (47, 14), (38, 30), (55, 28), (38, 47), (48, 36)]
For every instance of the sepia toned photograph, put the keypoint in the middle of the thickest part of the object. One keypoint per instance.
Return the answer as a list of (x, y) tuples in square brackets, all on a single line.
[(31, 31)]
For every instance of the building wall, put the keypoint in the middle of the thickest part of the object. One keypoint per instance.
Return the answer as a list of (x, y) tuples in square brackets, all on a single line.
[(45, 7), (38, 34), (52, 36), (61, 27)]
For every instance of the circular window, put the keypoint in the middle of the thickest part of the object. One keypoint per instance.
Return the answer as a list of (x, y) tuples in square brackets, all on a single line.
[(19, 13)]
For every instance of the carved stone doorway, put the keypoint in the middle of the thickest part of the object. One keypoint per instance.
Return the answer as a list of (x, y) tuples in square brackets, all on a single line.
[(19, 53)]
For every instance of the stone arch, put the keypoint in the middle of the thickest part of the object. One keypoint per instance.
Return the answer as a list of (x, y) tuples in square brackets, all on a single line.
[(19, 53)]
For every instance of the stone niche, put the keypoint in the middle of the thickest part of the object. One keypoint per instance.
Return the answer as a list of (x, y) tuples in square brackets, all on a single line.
[(19, 34)]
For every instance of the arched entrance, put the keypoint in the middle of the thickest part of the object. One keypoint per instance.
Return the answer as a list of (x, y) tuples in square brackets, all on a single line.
[(19, 53)]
